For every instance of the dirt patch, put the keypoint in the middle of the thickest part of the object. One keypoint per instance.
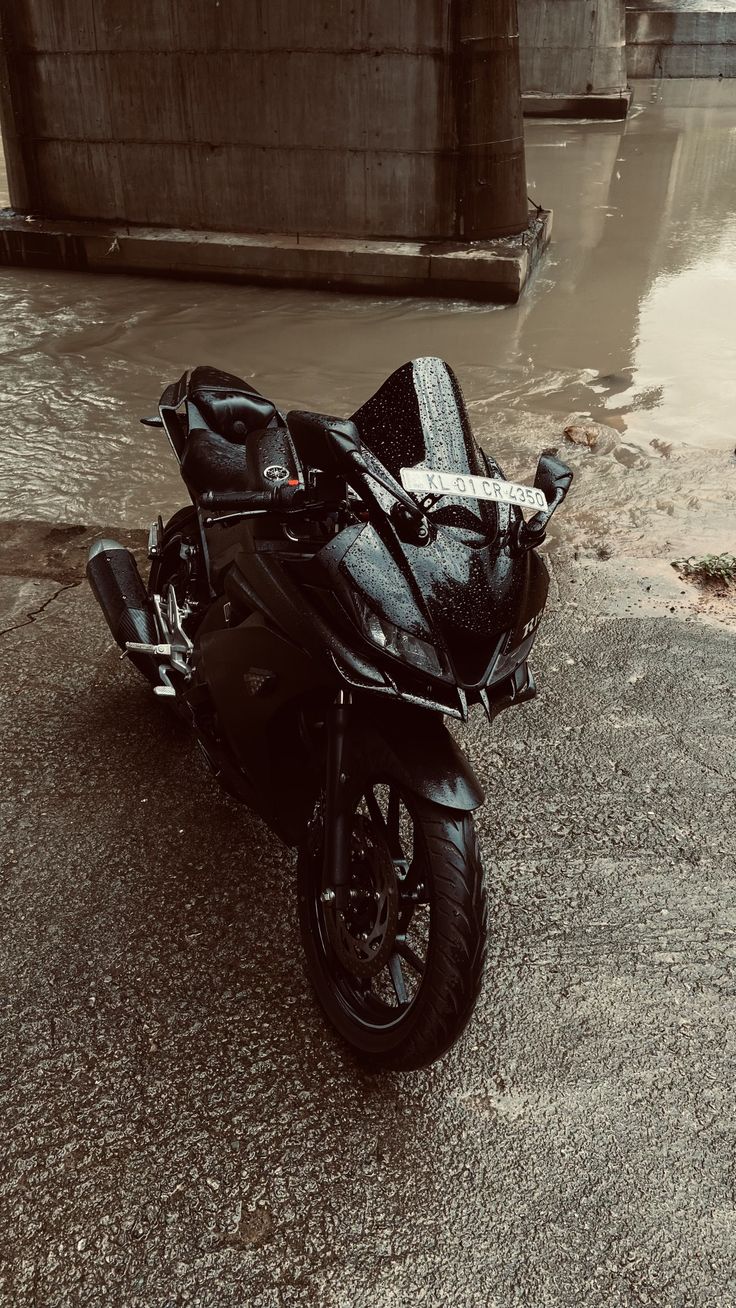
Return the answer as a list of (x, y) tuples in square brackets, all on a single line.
[(714, 600)]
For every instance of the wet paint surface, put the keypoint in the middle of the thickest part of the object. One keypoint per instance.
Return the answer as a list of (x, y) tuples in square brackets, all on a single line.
[(629, 321)]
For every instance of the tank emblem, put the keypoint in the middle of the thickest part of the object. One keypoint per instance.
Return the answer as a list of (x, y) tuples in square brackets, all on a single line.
[(276, 472)]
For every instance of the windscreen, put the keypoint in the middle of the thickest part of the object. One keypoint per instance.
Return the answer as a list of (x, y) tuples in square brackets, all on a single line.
[(419, 417)]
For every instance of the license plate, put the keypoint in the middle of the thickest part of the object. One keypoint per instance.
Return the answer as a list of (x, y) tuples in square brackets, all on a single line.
[(426, 482)]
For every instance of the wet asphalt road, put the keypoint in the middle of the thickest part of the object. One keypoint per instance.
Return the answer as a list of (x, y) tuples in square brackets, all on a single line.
[(178, 1125)]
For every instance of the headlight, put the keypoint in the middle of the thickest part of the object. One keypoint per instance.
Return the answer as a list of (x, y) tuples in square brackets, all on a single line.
[(404, 646)]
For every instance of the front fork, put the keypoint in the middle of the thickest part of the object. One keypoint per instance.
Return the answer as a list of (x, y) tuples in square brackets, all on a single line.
[(336, 868)]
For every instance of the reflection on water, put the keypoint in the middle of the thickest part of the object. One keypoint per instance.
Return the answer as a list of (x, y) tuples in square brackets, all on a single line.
[(630, 320)]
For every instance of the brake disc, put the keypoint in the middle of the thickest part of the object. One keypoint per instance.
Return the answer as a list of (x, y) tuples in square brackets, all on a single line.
[(361, 921)]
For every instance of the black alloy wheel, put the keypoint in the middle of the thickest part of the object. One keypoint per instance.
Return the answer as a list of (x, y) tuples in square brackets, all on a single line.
[(397, 956)]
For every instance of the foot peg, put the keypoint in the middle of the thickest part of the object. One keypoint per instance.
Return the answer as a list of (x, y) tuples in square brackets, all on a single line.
[(136, 647), (166, 687)]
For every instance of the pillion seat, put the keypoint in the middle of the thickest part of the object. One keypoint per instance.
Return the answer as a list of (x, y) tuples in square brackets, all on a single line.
[(229, 406), (233, 434)]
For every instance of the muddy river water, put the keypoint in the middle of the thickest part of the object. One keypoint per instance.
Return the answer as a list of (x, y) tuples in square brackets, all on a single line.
[(630, 321)]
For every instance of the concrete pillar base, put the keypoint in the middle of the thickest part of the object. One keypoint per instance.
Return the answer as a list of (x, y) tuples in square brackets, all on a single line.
[(485, 270), (605, 104)]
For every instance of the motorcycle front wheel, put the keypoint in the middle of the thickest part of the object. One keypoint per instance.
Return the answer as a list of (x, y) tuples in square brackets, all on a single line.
[(396, 957)]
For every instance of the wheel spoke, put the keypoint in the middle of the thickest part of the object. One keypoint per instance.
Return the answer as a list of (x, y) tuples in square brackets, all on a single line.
[(397, 979), (409, 956)]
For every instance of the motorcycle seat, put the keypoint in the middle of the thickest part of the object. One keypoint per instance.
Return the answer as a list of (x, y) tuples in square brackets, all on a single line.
[(224, 413), (212, 463), (227, 405)]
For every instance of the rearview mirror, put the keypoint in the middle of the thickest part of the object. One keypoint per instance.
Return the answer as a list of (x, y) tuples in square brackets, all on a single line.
[(553, 478)]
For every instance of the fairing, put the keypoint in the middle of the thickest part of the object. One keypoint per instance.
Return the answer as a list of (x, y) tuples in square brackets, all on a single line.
[(467, 590), (473, 603)]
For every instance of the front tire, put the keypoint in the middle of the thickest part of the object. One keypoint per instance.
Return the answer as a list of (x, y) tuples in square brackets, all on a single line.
[(411, 1010)]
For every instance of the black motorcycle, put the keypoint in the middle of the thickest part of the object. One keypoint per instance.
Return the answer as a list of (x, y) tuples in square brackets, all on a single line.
[(337, 588)]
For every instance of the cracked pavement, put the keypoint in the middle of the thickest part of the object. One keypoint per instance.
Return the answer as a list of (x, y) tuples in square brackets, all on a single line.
[(178, 1124), (29, 600)]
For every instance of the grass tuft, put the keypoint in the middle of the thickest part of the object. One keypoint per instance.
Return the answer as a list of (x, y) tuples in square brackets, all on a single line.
[(711, 568)]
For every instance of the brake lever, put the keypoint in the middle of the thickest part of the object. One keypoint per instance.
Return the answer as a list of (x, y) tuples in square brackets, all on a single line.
[(311, 507), (240, 516)]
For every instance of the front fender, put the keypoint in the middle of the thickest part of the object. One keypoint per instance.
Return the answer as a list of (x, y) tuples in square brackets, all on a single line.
[(414, 748)]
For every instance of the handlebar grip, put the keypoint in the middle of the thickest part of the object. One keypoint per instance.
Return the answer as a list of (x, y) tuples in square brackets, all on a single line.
[(277, 498), (235, 501)]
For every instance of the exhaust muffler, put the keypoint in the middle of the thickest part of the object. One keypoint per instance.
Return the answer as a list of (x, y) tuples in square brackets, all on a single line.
[(113, 574)]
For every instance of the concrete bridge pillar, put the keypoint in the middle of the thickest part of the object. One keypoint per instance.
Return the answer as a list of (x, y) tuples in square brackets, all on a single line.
[(573, 58), (345, 142), (492, 181)]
